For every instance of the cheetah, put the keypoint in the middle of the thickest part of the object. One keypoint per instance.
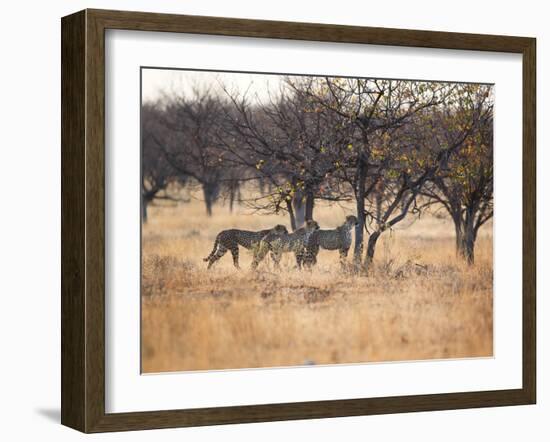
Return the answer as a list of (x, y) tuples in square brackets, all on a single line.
[(283, 243), (233, 238), (335, 239)]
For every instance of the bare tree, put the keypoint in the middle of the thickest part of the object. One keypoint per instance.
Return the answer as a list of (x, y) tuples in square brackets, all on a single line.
[(157, 175), (287, 143), (189, 141), (421, 153), (465, 188), (376, 109)]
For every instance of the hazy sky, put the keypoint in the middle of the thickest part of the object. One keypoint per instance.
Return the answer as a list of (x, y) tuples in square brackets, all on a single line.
[(155, 82)]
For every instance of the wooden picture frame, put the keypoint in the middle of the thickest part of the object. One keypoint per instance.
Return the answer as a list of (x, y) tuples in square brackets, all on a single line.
[(83, 220)]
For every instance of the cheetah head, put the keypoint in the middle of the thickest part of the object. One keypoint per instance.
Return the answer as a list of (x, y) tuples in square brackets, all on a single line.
[(312, 225), (279, 229), (351, 220)]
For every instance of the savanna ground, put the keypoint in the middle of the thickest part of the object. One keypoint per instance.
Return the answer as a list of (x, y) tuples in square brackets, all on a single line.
[(421, 301)]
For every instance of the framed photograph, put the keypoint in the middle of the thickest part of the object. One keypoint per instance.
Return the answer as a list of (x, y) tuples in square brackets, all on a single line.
[(267, 221)]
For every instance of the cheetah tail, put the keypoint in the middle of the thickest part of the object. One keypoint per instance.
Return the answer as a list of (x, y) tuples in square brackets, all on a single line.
[(213, 252)]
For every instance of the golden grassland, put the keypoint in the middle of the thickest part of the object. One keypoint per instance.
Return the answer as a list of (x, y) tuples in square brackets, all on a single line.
[(421, 301)]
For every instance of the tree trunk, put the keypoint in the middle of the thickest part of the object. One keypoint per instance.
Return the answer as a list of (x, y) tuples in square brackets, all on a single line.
[(378, 197), (371, 247), (459, 236), (210, 192), (465, 237), (469, 245), (261, 186), (233, 193), (360, 204), (470, 234), (144, 204), (299, 209), (208, 204), (310, 203), (291, 214)]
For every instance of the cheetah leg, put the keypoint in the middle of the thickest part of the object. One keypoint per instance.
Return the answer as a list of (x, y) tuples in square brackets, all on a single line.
[(310, 257), (273, 257), (235, 254), (299, 259), (259, 255), (221, 251), (277, 259), (343, 257)]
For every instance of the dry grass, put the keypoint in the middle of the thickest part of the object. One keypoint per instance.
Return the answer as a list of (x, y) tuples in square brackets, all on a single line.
[(420, 303)]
